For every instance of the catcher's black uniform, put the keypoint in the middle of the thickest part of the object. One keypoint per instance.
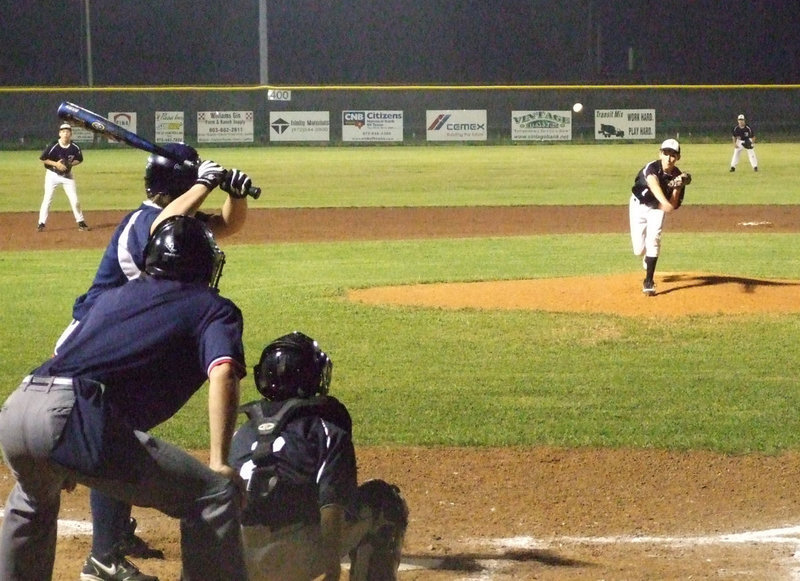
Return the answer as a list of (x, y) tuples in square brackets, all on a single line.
[(297, 457), (312, 457)]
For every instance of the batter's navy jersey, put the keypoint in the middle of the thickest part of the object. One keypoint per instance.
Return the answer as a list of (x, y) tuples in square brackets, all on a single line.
[(123, 259), (314, 459), (152, 343), (641, 189), (56, 152)]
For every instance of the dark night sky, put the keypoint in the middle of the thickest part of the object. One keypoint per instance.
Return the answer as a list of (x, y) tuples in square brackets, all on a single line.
[(215, 42)]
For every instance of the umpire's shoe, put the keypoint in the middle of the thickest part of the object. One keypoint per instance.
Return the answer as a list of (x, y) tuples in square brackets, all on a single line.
[(113, 567)]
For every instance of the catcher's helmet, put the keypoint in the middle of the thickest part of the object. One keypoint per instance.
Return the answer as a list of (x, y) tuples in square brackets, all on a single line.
[(183, 248), (292, 366), (167, 176)]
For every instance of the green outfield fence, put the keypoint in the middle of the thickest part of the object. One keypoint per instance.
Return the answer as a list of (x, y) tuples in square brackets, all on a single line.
[(699, 112)]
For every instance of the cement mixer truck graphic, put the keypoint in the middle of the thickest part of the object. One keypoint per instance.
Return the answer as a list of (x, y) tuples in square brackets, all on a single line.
[(610, 131)]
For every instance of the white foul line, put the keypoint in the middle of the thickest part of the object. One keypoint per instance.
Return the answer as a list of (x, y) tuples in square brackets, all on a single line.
[(789, 535), (784, 535)]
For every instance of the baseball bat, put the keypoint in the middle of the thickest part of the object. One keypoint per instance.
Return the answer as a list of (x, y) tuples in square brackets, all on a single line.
[(98, 124)]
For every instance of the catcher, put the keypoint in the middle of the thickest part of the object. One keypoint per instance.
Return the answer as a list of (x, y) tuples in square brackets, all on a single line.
[(304, 510), (659, 188), (744, 139)]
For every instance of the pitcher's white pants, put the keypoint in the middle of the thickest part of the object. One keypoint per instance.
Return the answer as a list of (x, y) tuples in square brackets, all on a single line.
[(646, 226)]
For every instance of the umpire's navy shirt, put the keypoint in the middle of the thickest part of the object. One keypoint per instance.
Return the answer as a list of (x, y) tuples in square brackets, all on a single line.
[(152, 343)]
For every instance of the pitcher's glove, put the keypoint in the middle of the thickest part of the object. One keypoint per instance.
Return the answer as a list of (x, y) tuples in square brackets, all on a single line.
[(680, 181)]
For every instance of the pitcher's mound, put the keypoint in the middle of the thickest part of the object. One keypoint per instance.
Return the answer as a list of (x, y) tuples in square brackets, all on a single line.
[(677, 294)]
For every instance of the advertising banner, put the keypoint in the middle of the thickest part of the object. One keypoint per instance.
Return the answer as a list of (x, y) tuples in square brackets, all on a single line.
[(624, 124), (299, 126), (224, 126), (372, 126), (541, 125), (125, 119), (169, 126), (456, 125)]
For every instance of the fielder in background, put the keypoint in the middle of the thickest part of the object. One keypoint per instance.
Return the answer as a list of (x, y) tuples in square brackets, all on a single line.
[(59, 157), (743, 140), (81, 416), (304, 509), (171, 189), (658, 188)]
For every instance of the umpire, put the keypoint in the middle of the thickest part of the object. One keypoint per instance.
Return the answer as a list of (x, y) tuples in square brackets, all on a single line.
[(304, 509), (142, 351)]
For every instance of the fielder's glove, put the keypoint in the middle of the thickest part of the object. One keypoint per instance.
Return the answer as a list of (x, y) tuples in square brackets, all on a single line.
[(67, 166), (210, 174), (236, 184), (747, 144), (680, 181)]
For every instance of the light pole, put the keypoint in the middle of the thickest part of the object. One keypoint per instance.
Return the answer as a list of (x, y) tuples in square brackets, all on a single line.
[(89, 75), (263, 47)]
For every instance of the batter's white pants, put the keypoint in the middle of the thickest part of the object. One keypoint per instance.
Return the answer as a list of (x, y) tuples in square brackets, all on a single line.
[(737, 151), (51, 181), (646, 226)]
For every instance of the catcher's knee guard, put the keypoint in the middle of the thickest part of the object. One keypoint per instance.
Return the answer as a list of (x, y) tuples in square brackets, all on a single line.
[(377, 556)]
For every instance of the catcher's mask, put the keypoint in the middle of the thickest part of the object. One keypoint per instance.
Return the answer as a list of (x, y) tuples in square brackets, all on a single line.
[(293, 366), (164, 176), (183, 248)]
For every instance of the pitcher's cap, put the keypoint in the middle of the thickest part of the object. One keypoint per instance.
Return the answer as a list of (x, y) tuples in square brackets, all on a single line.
[(671, 144)]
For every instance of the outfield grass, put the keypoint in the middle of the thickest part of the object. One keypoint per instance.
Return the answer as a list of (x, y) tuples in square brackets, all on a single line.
[(469, 377), (443, 175)]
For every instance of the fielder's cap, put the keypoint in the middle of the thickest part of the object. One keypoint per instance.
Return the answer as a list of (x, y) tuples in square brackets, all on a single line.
[(65, 126), (740, 117), (671, 144)]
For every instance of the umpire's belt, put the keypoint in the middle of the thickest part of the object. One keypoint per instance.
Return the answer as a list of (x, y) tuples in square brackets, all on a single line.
[(41, 383)]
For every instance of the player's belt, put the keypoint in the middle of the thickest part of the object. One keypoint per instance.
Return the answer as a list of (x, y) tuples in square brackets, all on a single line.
[(48, 382)]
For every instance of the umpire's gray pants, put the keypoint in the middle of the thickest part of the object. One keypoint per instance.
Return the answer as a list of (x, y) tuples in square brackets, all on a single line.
[(162, 476)]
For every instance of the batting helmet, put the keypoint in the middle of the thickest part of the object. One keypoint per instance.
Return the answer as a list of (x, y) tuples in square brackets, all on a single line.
[(183, 248), (293, 366), (167, 176)]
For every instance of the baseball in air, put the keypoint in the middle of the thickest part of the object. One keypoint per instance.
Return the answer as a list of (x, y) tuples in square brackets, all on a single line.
[(577, 107)]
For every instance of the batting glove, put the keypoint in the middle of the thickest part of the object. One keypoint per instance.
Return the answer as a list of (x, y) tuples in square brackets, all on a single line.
[(210, 174), (236, 184)]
